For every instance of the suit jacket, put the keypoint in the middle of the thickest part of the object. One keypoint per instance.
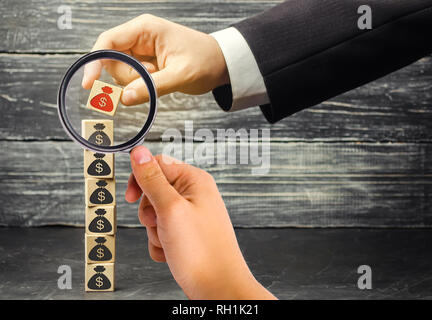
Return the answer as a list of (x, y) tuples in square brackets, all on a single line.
[(311, 50)]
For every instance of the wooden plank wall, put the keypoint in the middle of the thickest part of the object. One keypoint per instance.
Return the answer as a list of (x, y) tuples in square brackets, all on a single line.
[(360, 159)]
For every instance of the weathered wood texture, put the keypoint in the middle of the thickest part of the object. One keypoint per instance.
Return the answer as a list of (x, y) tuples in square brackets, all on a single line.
[(309, 184), (360, 159), (394, 108), (31, 26)]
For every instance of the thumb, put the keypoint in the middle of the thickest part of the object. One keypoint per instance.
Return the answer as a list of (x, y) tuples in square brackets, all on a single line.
[(136, 91), (152, 180)]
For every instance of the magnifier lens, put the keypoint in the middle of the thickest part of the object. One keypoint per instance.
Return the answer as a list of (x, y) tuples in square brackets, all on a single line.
[(94, 100)]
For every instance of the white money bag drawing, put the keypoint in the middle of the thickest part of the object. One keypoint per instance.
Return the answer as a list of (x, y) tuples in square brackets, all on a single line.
[(99, 137), (99, 281), (100, 252), (101, 195), (100, 224), (99, 167)]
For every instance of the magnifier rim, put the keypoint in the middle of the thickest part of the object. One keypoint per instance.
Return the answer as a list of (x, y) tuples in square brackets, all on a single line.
[(142, 71)]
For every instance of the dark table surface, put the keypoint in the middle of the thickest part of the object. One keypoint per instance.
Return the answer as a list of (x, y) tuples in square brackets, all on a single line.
[(292, 263)]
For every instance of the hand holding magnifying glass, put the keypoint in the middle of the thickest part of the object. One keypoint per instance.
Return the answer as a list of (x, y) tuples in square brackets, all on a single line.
[(178, 58), (191, 63)]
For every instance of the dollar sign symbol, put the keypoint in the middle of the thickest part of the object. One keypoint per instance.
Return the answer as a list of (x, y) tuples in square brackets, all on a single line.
[(100, 224), (102, 102), (101, 196), (100, 253), (99, 281), (99, 138), (99, 167)]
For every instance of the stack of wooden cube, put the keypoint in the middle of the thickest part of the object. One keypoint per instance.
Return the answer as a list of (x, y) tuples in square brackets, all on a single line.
[(100, 214)]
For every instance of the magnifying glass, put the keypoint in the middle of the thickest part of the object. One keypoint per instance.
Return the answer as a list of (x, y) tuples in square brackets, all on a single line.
[(131, 123)]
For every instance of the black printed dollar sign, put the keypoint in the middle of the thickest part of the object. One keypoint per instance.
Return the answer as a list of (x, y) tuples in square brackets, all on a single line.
[(100, 224), (99, 137), (100, 252), (99, 167), (101, 195), (99, 281)]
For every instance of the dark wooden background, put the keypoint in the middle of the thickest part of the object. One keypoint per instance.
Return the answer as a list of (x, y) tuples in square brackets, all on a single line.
[(360, 159)]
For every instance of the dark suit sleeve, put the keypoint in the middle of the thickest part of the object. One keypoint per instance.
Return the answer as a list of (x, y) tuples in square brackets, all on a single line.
[(311, 50)]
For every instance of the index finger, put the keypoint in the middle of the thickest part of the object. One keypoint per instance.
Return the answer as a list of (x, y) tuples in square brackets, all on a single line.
[(92, 71)]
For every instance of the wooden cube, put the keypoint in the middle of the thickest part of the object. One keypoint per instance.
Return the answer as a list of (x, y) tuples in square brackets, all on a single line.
[(98, 165), (99, 192), (104, 97), (98, 132), (101, 220), (99, 277), (100, 248)]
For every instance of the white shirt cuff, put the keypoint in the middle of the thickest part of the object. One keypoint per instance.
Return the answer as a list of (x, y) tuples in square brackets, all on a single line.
[(247, 84)]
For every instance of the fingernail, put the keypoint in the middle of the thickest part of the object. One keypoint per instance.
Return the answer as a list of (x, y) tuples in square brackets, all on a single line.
[(142, 155), (129, 96)]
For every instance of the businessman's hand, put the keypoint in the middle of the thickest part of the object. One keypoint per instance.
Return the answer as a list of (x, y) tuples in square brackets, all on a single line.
[(189, 227), (179, 58)]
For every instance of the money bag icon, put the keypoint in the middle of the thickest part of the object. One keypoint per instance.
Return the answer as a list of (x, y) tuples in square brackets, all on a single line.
[(99, 167), (100, 223), (100, 252), (99, 281), (103, 101), (99, 137), (101, 195)]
